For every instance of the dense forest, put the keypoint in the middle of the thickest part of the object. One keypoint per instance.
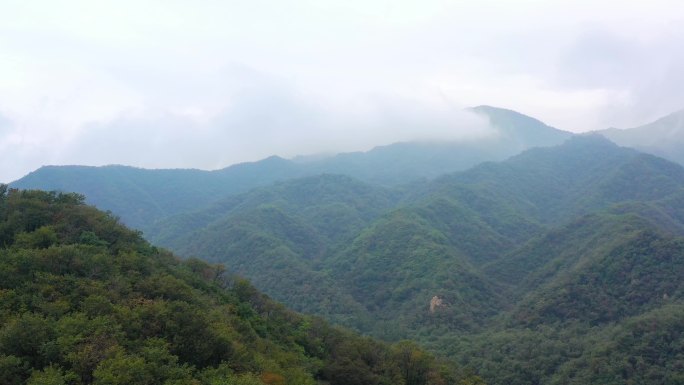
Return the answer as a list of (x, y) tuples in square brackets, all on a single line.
[(84, 300), (559, 265), (534, 262)]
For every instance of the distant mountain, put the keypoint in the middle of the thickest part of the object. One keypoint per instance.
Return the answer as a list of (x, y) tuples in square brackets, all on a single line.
[(522, 131), (664, 137), (141, 196), (402, 162), (553, 184)]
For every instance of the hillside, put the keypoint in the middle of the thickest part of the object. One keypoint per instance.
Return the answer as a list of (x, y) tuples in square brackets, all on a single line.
[(663, 137), (84, 300), (521, 131), (637, 273), (598, 269), (162, 193), (549, 248), (581, 297)]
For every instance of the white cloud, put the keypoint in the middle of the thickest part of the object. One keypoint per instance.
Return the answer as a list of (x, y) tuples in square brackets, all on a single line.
[(267, 117), (213, 82), (646, 70)]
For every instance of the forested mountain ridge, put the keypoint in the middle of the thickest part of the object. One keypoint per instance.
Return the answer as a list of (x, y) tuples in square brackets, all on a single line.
[(84, 300), (545, 268), (162, 193), (158, 193), (484, 254), (553, 184), (511, 201), (336, 204)]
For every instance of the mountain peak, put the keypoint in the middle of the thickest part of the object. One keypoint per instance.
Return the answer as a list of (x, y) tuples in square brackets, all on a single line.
[(520, 128), (663, 137), (498, 112)]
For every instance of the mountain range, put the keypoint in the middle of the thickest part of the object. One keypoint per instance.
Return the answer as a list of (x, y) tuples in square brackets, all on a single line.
[(537, 257), (161, 193)]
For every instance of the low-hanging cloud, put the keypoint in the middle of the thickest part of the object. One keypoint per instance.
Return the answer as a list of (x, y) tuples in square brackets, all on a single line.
[(247, 115), (270, 118), (110, 84), (644, 72)]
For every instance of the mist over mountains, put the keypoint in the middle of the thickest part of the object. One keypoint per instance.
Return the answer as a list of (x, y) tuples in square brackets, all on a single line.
[(533, 256), (664, 137), (168, 192)]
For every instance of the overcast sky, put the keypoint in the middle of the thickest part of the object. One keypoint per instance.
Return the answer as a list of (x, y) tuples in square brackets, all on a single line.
[(206, 84)]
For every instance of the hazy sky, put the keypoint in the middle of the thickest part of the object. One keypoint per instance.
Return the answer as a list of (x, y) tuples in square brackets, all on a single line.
[(208, 83)]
